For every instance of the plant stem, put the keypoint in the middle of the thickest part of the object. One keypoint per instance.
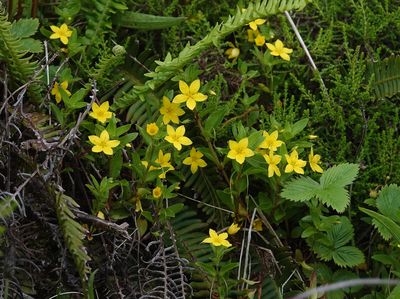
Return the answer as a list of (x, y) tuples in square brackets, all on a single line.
[(220, 166)]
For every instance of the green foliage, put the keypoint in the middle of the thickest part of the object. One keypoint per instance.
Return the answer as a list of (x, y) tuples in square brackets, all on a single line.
[(14, 51), (98, 15), (386, 80), (331, 244), (169, 67), (141, 21), (73, 233), (384, 222), (330, 190), (101, 192)]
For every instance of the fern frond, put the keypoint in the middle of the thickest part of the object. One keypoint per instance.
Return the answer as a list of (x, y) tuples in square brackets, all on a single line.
[(169, 67), (107, 63), (73, 233), (163, 276), (98, 14), (18, 63), (386, 76), (204, 183)]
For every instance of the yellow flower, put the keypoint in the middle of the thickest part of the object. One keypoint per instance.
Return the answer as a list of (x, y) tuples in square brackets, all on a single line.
[(232, 52), (271, 142), (233, 229), (273, 161), (259, 40), (177, 137), (279, 50), (163, 161), (170, 111), (157, 192), (165, 164), (152, 129), (100, 215), (217, 239), (194, 160), (294, 163), (56, 92), (312, 137), (62, 32), (251, 34), (257, 225), (103, 143), (239, 151), (190, 94), (254, 24), (101, 112), (138, 205), (314, 160)]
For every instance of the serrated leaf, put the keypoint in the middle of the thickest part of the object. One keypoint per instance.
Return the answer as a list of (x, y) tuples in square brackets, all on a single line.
[(300, 189), (334, 197), (25, 27), (31, 45), (341, 233), (388, 223), (388, 202), (340, 175), (348, 256)]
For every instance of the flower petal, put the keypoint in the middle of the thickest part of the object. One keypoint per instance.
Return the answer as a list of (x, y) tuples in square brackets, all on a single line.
[(170, 130), (97, 149), (108, 150), (64, 40), (279, 44), (180, 98), (199, 97), (271, 46), (105, 106), (104, 135), (113, 143), (94, 139), (285, 56), (185, 141), (191, 103), (180, 131), (183, 87), (54, 28), (194, 86)]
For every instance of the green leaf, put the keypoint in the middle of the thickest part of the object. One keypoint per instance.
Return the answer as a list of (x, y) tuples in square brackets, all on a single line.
[(215, 119), (25, 27), (388, 223), (348, 256), (116, 164), (31, 45), (227, 267), (300, 189), (333, 181), (341, 233), (335, 197), (136, 20), (255, 139), (299, 126), (58, 114), (208, 268), (388, 202), (395, 294), (91, 285), (340, 175)]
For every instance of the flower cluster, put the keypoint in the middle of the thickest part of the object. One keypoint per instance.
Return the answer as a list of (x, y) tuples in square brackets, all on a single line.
[(276, 49)]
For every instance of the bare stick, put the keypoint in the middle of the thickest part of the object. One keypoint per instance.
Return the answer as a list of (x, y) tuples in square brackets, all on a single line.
[(303, 45), (346, 284)]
